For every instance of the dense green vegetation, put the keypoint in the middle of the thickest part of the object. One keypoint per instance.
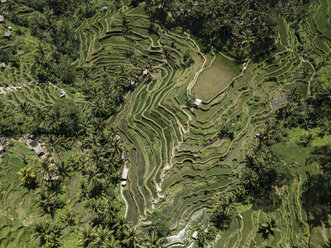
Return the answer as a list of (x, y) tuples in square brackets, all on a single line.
[(250, 167)]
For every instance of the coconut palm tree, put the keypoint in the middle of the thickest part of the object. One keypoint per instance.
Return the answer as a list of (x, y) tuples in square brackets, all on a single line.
[(69, 217), (267, 229), (121, 226), (87, 235), (64, 168), (102, 235), (86, 75), (27, 176), (55, 142), (132, 239), (111, 242), (153, 240), (40, 231), (49, 202), (26, 107)]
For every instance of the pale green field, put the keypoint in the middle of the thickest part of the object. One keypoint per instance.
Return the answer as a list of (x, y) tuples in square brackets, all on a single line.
[(216, 78)]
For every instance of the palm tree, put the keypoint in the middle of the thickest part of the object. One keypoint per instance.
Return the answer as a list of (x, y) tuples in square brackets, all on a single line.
[(121, 226), (45, 165), (26, 107), (88, 235), (267, 229), (131, 239), (41, 229), (111, 242), (69, 217), (49, 202), (55, 142), (154, 241), (92, 181), (64, 168), (101, 236), (27, 176), (86, 76)]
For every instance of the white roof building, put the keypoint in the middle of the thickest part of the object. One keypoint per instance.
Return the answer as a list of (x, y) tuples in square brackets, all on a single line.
[(195, 235), (125, 173), (2, 18), (197, 103)]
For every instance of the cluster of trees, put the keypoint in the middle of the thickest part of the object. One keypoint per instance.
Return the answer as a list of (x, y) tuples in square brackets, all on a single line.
[(227, 131), (241, 28), (308, 114), (264, 172), (54, 23), (9, 56)]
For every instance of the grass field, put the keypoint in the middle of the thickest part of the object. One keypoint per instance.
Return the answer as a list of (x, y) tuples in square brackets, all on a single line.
[(215, 78)]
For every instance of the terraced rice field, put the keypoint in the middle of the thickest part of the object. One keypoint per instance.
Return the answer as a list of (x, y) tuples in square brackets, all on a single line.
[(178, 165)]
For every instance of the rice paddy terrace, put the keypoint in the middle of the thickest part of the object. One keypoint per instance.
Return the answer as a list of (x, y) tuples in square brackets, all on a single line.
[(178, 163)]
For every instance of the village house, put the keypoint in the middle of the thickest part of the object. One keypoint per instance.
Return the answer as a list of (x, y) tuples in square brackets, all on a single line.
[(34, 146), (2, 19)]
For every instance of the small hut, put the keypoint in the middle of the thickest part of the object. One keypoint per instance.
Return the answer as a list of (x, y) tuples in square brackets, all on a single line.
[(145, 72), (117, 137), (104, 8), (7, 34), (63, 94), (197, 103), (2, 19)]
